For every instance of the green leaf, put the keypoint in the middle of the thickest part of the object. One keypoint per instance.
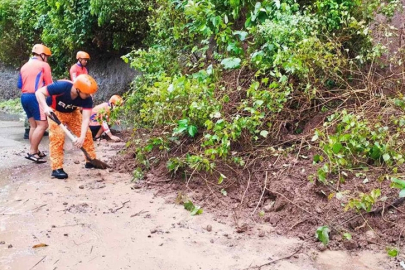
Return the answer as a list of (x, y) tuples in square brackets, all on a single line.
[(386, 157), (402, 193), (242, 34), (347, 236), (196, 211), (231, 63), (318, 158), (264, 133), (189, 205), (223, 192), (397, 183), (322, 234), (392, 252), (337, 147), (221, 178), (192, 130)]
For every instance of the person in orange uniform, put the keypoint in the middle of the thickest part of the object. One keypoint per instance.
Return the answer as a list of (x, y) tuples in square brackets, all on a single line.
[(100, 117), (33, 75), (65, 98), (80, 67)]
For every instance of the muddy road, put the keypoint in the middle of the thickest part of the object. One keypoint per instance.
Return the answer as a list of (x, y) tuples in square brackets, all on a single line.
[(99, 219)]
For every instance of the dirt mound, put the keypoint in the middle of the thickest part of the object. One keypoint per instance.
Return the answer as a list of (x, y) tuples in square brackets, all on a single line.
[(277, 191)]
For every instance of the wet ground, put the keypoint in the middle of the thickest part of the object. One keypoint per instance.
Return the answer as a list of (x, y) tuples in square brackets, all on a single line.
[(99, 219)]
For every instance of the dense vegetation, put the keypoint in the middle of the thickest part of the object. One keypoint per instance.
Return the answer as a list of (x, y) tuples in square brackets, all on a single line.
[(228, 83), (99, 27)]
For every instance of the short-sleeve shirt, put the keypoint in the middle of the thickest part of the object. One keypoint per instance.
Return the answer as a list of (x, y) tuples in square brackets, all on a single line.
[(33, 75), (76, 70), (60, 98)]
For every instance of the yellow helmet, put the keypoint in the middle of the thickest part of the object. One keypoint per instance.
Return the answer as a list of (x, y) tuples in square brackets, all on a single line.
[(41, 49), (82, 54), (85, 84), (116, 100)]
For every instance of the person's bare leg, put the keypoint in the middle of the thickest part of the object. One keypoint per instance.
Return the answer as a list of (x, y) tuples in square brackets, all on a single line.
[(99, 132), (37, 134), (33, 125)]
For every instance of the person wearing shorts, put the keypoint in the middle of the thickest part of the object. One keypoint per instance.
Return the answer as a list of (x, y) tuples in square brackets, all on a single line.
[(100, 117), (33, 75)]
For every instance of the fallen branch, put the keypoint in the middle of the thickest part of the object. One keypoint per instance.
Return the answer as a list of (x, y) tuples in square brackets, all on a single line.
[(38, 262), (122, 206)]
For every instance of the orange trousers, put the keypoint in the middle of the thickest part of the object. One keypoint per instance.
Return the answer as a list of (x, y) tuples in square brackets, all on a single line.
[(73, 121)]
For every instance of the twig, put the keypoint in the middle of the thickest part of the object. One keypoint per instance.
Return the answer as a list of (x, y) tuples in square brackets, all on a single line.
[(123, 204), (299, 222), (37, 208), (38, 262), (261, 196), (139, 213), (280, 259), (247, 187)]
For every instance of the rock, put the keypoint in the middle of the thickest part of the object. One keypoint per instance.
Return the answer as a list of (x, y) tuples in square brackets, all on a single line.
[(371, 236), (268, 207), (321, 247), (337, 237), (350, 244), (274, 219), (279, 204), (209, 228), (262, 233)]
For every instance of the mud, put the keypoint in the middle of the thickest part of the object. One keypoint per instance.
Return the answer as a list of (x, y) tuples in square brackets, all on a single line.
[(100, 219)]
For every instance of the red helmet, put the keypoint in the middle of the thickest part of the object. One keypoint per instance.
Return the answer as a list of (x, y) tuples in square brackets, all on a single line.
[(116, 100), (85, 84), (41, 49), (83, 55)]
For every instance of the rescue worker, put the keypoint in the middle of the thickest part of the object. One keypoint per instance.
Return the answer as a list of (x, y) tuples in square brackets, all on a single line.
[(80, 67), (100, 117), (33, 75), (64, 98)]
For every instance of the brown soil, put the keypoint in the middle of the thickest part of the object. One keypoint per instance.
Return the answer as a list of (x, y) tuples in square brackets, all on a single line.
[(101, 219), (276, 191)]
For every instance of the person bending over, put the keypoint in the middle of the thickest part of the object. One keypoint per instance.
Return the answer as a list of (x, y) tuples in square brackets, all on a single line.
[(64, 98), (100, 118)]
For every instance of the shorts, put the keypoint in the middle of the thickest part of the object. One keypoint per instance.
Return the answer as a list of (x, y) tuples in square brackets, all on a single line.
[(31, 107), (94, 130)]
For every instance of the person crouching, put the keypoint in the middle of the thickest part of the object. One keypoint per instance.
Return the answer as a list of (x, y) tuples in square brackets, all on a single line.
[(100, 118)]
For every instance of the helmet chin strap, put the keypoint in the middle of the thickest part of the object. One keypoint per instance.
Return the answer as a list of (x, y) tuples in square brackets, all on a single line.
[(42, 57)]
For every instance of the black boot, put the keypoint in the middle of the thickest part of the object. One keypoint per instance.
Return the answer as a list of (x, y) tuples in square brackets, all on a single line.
[(27, 134), (89, 165), (59, 173)]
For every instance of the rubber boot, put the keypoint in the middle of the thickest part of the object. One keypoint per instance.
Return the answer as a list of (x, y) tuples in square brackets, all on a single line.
[(27, 134)]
